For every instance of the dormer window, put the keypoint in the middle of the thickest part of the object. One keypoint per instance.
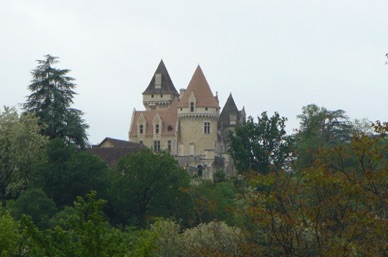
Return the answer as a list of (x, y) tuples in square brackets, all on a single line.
[(157, 129), (141, 129), (158, 81), (191, 106), (232, 119)]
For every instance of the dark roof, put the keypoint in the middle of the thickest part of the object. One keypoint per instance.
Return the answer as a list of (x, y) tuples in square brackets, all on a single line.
[(230, 107), (117, 149), (117, 142), (111, 154), (167, 86)]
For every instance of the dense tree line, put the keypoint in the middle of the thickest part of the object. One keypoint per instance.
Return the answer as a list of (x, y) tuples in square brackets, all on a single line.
[(321, 191)]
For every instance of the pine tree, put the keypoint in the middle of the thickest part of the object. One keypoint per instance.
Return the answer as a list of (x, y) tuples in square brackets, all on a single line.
[(51, 100)]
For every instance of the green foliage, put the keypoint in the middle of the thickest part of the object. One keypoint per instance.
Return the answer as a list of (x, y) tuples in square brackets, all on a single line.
[(84, 233), (9, 235), (213, 201), (69, 173), (52, 92), (35, 203), (319, 129), (21, 147), (147, 184), (212, 239), (335, 208), (262, 146), (165, 239)]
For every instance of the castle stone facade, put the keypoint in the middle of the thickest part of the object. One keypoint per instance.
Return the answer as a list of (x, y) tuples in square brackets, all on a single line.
[(190, 124)]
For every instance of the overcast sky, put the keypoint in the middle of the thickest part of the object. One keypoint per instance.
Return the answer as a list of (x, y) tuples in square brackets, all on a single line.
[(272, 55)]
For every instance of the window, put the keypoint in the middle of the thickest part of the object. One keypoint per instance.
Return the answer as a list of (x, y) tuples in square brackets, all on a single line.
[(206, 127), (157, 129), (140, 142), (141, 129), (191, 106), (169, 145), (158, 81), (157, 146)]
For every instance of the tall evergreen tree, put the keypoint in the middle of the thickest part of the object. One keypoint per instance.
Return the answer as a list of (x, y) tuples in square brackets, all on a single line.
[(51, 100)]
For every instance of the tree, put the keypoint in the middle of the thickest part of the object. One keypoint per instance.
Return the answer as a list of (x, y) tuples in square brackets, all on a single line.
[(165, 238), (212, 239), (35, 203), (148, 184), (213, 201), (51, 98), (21, 147), (9, 236), (320, 128), (261, 146), (83, 233), (337, 207), (69, 173)]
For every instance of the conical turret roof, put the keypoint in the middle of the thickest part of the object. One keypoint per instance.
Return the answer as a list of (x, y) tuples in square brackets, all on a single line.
[(202, 92), (229, 107), (167, 87)]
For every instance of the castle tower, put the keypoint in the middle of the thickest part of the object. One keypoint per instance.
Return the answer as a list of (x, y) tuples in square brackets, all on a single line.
[(198, 113), (161, 91), (230, 117)]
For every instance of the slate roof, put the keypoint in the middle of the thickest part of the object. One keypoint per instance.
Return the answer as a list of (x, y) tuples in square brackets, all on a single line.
[(230, 107), (120, 149), (117, 142), (201, 89), (167, 86)]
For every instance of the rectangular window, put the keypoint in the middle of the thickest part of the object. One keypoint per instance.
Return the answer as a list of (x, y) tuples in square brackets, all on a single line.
[(206, 127), (169, 145), (157, 129), (157, 146), (141, 129), (191, 106)]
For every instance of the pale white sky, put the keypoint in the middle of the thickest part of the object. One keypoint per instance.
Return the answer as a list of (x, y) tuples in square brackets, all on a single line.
[(272, 55)]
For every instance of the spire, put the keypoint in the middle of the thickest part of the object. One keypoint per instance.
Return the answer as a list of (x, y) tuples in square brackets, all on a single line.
[(161, 82), (230, 116), (201, 90)]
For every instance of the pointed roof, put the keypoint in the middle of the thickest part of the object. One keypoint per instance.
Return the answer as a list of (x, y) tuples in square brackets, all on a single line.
[(201, 89), (167, 86), (229, 107)]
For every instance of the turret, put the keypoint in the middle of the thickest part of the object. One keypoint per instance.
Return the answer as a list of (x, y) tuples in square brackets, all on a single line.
[(161, 91), (198, 112)]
